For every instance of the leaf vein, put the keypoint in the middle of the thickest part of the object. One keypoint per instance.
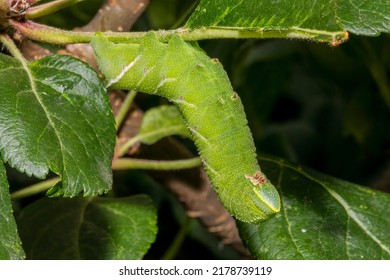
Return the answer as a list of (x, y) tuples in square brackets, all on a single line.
[(41, 103), (356, 219)]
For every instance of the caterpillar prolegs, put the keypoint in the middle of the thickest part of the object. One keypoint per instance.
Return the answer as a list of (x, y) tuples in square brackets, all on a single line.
[(212, 111)]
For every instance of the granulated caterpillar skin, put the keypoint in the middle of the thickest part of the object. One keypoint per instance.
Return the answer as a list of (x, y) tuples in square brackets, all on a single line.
[(212, 111)]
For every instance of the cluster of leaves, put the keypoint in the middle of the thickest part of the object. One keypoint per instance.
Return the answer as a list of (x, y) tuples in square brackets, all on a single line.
[(55, 116)]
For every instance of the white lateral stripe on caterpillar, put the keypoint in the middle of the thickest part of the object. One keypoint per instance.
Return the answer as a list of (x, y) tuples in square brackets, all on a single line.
[(145, 74), (122, 73), (182, 101), (164, 81)]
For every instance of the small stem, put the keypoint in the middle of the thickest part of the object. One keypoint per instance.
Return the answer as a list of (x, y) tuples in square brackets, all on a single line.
[(140, 137), (130, 163), (34, 189), (48, 34), (53, 35), (174, 248), (124, 108), (12, 48), (128, 144), (49, 8)]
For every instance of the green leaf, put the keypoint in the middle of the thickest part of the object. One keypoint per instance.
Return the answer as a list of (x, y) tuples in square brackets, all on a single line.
[(364, 17), (317, 20), (160, 122), (10, 245), (55, 115), (321, 218), (88, 228)]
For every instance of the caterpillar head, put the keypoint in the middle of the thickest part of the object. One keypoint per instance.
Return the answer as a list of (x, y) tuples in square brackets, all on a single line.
[(265, 196)]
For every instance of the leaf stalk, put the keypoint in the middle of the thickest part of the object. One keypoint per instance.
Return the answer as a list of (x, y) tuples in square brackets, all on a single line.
[(34, 189), (124, 108), (130, 163), (53, 35)]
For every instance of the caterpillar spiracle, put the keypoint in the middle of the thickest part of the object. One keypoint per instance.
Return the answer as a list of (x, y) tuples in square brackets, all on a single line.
[(212, 111)]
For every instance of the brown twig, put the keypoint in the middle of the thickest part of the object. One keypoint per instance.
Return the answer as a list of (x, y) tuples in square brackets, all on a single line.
[(114, 15)]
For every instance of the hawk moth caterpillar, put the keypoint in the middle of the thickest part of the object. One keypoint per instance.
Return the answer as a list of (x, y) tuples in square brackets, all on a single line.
[(201, 90)]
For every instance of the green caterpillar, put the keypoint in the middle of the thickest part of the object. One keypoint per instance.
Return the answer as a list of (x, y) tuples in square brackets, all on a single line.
[(212, 111)]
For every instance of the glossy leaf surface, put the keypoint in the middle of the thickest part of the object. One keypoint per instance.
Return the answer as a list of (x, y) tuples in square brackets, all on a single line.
[(55, 115), (321, 218), (325, 20), (88, 228)]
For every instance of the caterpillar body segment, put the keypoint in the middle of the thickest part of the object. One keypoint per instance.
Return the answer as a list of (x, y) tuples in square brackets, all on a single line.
[(212, 111)]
